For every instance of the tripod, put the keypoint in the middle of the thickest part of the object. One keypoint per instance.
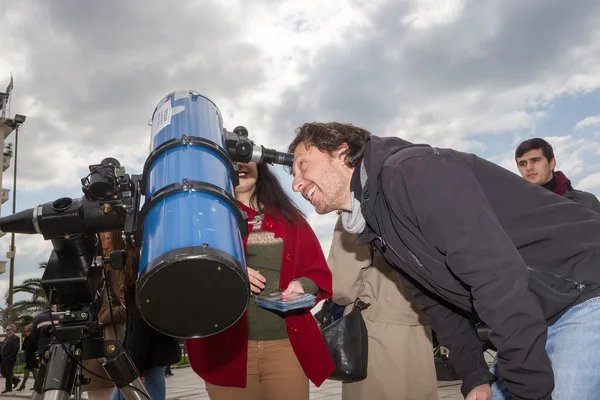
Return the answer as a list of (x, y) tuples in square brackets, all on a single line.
[(74, 278), (61, 370)]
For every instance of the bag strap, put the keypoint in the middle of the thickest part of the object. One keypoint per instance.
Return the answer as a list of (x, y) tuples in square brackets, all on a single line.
[(361, 305)]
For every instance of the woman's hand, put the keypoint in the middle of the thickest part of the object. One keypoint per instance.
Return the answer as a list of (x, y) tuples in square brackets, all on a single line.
[(257, 281), (294, 288)]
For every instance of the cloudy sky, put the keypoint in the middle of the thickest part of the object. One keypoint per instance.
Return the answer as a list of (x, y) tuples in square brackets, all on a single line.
[(476, 75)]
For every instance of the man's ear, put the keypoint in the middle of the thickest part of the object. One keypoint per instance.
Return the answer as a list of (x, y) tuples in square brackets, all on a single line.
[(340, 153), (553, 164)]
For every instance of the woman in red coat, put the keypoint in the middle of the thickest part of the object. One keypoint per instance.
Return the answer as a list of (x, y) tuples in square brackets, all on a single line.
[(268, 354)]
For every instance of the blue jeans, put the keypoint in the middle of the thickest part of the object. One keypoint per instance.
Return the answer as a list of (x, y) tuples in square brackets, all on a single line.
[(573, 345), (155, 382)]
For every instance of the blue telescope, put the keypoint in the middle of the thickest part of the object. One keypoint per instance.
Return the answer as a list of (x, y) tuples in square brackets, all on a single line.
[(193, 280), (192, 254)]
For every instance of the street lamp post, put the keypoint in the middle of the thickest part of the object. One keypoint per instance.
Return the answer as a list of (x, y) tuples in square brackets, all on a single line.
[(18, 121)]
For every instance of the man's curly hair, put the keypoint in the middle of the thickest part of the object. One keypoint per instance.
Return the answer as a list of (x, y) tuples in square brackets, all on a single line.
[(330, 136)]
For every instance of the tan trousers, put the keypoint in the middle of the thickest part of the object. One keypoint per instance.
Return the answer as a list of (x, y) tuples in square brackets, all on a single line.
[(274, 373), (400, 367)]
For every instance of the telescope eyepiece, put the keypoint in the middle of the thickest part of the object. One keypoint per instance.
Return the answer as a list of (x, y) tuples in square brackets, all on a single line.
[(271, 156), (243, 150)]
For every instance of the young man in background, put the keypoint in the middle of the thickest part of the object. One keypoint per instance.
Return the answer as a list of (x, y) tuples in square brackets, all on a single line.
[(536, 162)]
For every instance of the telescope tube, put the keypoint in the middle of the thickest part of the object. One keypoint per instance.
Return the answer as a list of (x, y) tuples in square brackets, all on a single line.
[(192, 276)]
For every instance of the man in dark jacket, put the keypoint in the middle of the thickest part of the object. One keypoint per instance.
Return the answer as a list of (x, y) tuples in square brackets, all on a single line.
[(536, 162), (9, 351), (474, 242), (41, 330)]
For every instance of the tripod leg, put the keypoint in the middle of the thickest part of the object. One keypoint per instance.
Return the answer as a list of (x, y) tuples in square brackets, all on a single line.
[(60, 374), (122, 371)]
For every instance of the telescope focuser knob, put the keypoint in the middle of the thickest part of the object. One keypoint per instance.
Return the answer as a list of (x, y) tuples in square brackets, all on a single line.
[(241, 130), (116, 260)]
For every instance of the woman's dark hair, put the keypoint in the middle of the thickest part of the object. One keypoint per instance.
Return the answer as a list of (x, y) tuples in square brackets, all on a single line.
[(330, 136), (269, 195)]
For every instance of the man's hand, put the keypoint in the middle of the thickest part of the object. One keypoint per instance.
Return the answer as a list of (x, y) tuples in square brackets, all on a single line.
[(293, 289), (257, 281), (481, 392)]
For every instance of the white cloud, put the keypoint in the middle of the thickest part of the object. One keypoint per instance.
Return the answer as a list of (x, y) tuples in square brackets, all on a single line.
[(448, 82), (590, 182), (429, 13), (588, 121)]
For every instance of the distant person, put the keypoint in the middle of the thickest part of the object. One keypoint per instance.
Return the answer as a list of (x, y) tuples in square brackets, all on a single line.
[(40, 338), (31, 363), (41, 331), (536, 162), (9, 350)]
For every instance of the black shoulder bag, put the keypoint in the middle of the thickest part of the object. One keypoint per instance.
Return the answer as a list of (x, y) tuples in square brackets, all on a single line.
[(347, 341)]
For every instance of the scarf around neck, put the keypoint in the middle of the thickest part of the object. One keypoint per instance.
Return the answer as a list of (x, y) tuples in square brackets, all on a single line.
[(353, 221), (558, 184)]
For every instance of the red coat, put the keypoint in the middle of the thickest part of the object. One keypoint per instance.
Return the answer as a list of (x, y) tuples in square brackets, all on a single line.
[(222, 359)]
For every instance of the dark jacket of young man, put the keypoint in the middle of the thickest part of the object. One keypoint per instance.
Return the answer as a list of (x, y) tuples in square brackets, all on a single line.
[(561, 185), (474, 239)]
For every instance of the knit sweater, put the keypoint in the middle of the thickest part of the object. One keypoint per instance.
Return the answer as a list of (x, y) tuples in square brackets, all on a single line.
[(263, 253)]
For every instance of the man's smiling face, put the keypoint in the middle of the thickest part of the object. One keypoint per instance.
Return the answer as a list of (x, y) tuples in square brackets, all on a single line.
[(322, 178)]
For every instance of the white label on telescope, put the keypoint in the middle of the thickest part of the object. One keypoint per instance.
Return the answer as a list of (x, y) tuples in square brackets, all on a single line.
[(162, 118)]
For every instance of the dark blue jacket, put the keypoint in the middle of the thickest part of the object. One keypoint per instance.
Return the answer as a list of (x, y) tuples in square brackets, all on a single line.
[(41, 331)]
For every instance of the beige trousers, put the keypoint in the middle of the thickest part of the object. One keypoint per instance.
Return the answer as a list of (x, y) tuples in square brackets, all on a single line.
[(274, 373)]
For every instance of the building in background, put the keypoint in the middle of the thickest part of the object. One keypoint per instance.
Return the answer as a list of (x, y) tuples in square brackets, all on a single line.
[(7, 126)]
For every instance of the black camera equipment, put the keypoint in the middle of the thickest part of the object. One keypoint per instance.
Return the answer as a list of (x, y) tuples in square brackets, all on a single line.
[(75, 277), (75, 274)]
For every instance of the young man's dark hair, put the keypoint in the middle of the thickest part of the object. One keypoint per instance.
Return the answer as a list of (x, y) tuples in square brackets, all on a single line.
[(535, 144), (471, 239)]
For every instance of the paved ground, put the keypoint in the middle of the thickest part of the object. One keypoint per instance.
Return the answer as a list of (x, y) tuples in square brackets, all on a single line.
[(185, 385)]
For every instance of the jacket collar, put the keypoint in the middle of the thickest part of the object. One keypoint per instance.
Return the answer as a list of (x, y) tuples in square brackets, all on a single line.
[(270, 223), (377, 151)]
